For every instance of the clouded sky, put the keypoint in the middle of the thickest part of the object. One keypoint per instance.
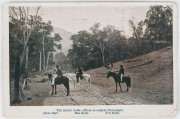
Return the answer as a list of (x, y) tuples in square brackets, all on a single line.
[(74, 19)]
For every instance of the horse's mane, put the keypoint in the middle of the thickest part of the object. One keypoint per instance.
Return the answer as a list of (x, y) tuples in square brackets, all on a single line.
[(113, 73)]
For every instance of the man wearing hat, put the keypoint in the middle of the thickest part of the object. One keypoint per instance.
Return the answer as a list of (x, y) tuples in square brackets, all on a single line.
[(57, 74), (121, 72), (59, 71), (79, 74)]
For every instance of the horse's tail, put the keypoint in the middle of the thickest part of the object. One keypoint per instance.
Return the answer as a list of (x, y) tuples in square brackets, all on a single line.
[(127, 79), (129, 82)]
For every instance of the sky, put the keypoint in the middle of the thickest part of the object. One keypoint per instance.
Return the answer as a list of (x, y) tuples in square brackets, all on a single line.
[(74, 19)]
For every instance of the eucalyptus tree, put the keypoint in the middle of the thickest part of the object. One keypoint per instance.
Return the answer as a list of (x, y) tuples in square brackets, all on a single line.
[(137, 34), (51, 44), (45, 29), (159, 22), (100, 37), (24, 23)]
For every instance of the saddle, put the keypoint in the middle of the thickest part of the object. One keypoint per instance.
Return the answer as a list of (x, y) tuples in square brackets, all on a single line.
[(81, 76), (59, 77)]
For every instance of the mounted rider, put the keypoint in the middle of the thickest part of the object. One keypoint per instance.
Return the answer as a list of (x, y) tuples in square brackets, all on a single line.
[(59, 71), (79, 74), (57, 74), (121, 73)]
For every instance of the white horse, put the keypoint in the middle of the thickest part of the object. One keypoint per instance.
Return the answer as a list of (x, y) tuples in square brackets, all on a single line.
[(72, 77)]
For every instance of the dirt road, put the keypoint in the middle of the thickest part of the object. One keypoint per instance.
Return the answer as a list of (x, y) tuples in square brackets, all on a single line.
[(151, 84)]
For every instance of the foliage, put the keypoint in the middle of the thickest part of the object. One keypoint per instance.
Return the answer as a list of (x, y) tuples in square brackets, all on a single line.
[(107, 45), (96, 48), (90, 49), (159, 21)]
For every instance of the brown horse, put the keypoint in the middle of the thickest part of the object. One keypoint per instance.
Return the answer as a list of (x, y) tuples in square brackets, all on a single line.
[(59, 80), (126, 79)]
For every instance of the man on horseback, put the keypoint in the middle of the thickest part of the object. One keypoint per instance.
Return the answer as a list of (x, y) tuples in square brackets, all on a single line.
[(57, 74), (57, 78), (59, 71), (79, 74), (121, 73)]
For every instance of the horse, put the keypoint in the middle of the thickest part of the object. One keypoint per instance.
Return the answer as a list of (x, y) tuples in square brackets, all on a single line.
[(117, 79), (72, 77), (59, 80)]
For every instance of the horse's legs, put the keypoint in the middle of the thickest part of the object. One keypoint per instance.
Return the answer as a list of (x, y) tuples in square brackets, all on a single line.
[(116, 87), (120, 86), (55, 89), (127, 87), (77, 77), (66, 85), (52, 89)]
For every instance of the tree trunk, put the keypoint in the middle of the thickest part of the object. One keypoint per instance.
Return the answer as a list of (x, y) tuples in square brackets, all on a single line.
[(102, 51), (43, 54), (27, 52), (47, 60), (103, 58), (39, 60), (19, 68), (26, 65), (16, 82), (22, 59)]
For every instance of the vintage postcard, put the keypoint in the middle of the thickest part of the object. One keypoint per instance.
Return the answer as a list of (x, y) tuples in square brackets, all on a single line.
[(89, 59)]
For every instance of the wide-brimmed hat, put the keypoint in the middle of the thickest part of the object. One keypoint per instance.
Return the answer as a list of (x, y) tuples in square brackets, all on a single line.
[(121, 66)]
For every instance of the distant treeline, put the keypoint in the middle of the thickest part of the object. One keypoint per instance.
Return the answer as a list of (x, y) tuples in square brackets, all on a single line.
[(90, 49), (97, 47)]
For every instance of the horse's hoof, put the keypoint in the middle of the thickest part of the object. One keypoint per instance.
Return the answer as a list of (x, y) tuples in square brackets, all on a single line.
[(115, 90), (51, 93), (121, 90), (55, 93)]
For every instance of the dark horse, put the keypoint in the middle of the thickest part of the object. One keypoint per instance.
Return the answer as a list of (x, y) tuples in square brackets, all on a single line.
[(126, 79), (59, 80)]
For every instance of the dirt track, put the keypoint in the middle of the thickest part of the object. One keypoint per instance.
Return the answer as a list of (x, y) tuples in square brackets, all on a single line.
[(151, 84)]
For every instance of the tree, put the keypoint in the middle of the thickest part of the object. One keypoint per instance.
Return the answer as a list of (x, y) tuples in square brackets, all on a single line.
[(24, 25), (81, 45), (60, 59), (116, 45), (50, 44), (95, 48), (45, 29), (100, 36), (137, 34), (159, 22)]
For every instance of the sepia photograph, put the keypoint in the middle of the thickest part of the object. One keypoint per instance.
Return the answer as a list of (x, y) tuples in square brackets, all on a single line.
[(91, 54)]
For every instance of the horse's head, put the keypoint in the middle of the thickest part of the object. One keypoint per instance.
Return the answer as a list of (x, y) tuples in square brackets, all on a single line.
[(109, 74)]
